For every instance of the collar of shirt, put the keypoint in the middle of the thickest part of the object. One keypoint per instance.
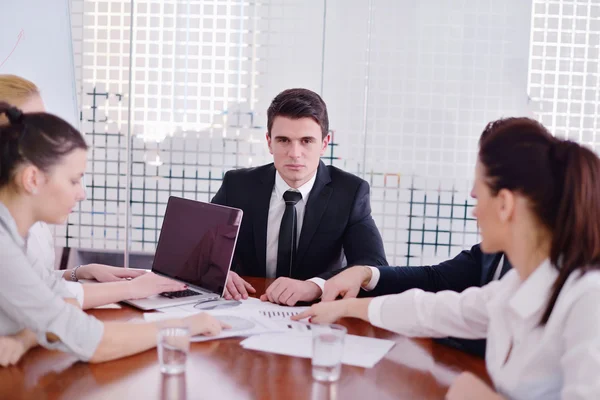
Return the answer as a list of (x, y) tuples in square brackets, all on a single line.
[(281, 187), (41, 252), (498, 270), (533, 293)]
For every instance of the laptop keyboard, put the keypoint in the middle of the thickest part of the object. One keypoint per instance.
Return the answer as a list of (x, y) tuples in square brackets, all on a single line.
[(180, 293)]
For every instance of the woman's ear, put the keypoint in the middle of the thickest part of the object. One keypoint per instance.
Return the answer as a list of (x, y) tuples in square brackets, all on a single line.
[(30, 179), (506, 204)]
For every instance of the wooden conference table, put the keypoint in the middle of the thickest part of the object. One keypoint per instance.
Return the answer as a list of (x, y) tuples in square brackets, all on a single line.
[(222, 369)]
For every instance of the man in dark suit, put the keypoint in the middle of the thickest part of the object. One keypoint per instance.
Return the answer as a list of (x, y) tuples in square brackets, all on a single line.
[(469, 268), (300, 216)]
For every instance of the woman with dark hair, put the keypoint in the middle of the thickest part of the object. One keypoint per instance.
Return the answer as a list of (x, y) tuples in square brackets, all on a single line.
[(25, 95), (42, 161), (538, 201)]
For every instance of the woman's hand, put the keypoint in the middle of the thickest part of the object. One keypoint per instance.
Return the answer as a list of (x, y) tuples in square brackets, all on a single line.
[(326, 312), (205, 324), (106, 273), (13, 347), (150, 284)]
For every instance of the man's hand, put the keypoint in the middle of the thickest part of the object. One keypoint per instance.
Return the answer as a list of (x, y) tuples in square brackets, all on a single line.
[(236, 287), (347, 283), (289, 291)]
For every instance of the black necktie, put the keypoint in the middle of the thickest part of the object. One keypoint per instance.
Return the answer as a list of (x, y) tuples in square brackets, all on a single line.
[(286, 249)]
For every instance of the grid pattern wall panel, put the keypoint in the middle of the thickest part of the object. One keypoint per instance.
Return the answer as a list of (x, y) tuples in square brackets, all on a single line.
[(203, 74), (422, 220), (440, 71), (101, 39), (193, 77), (564, 74), (431, 75), (190, 61)]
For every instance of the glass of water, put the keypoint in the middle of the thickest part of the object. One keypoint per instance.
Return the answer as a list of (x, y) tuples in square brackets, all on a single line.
[(173, 348), (328, 348)]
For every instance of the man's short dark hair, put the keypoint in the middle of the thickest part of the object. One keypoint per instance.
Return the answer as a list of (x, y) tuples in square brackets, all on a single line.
[(296, 104)]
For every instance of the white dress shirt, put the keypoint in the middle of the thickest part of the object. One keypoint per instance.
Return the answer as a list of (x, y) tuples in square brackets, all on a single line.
[(276, 210), (560, 360)]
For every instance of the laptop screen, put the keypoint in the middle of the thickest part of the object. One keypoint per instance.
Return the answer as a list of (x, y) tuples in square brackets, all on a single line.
[(196, 243)]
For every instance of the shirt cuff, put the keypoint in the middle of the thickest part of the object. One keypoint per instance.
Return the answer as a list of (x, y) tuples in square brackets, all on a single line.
[(320, 282), (375, 274), (77, 290), (78, 333), (59, 272), (374, 313)]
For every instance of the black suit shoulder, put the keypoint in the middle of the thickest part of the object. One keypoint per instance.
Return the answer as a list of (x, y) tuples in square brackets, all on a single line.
[(239, 184), (243, 174), (343, 178)]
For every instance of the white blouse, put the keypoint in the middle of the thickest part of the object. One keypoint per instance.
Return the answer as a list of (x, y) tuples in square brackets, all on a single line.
[(560, 360), (40, 245), (31, 296)]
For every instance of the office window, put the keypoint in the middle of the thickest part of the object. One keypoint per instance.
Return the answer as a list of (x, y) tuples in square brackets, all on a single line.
[(409, 87)]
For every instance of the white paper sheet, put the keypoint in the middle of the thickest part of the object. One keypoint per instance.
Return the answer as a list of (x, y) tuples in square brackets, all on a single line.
[(265, 318), (246, 305), (358, 350), (257, 326)]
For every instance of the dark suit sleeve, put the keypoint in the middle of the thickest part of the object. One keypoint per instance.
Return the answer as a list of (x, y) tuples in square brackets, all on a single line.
[(221, 196), (457, 274), (362, 241)]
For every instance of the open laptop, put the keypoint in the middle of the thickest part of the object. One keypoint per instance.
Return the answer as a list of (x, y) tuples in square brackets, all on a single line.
[(196, 246)]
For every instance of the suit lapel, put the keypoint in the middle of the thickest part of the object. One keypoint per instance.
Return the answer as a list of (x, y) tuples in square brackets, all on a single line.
[(261, 215), (315, 208)]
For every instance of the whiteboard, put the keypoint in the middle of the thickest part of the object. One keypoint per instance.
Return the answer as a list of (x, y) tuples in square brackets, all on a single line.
[(36, 44)]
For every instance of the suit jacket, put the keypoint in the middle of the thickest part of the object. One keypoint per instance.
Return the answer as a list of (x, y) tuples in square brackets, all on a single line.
[(337, 216), (469, 268)]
